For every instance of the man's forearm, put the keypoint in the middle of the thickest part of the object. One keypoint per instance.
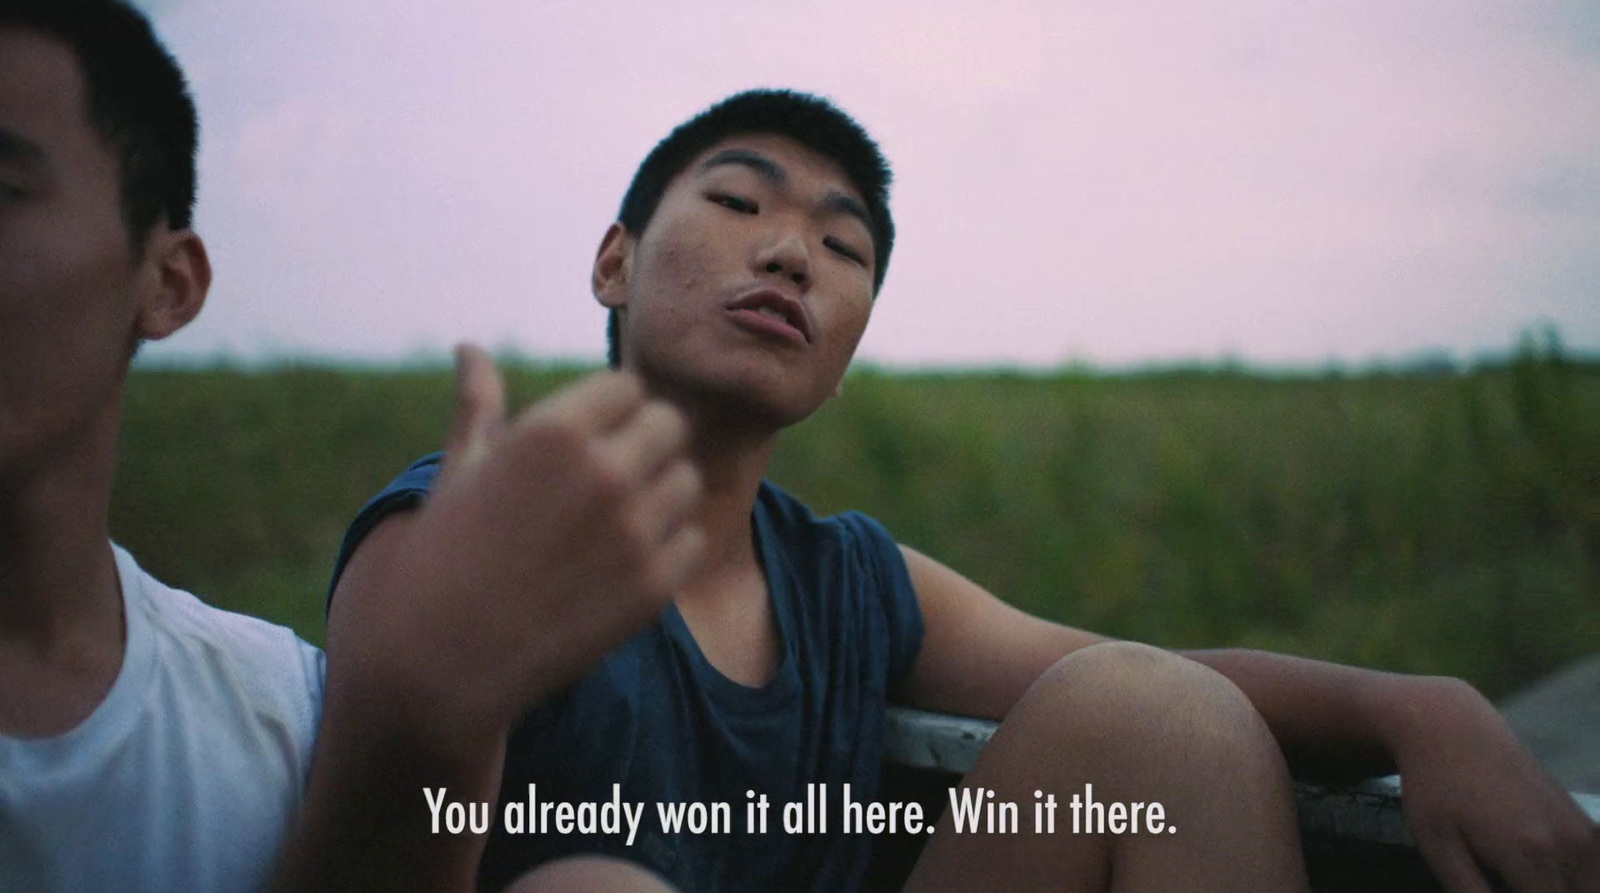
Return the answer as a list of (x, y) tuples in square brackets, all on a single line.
[(366, 824), (1333, 722)]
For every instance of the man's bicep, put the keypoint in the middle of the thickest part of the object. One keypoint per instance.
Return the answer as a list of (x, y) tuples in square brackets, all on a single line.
[(978, 654), (358, 596)]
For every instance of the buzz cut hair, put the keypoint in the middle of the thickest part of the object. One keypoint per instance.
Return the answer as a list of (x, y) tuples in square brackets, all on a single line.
[(136, 99)]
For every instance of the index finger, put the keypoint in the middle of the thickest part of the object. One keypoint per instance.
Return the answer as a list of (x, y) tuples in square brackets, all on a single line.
[(480, 401)]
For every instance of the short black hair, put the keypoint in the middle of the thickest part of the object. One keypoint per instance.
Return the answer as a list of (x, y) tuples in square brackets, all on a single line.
[(136, 98), (809, 120)]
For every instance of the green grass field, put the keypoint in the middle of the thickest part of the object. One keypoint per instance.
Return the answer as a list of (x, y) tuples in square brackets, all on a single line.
[(1427, 523)]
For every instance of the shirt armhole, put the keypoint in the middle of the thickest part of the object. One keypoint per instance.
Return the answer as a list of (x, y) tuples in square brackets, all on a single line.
[(403, 493), (897, 597)]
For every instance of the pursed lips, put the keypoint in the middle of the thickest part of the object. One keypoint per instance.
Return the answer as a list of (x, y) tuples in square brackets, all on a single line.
[(772, 312)]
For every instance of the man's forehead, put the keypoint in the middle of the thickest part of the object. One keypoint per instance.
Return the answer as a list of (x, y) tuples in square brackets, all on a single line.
[(41, 87)]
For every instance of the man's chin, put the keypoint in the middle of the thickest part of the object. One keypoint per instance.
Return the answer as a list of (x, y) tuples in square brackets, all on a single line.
[(749, 404)]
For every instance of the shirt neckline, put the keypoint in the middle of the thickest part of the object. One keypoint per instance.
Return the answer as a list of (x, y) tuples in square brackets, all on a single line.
[(116, 714), (783, 685)]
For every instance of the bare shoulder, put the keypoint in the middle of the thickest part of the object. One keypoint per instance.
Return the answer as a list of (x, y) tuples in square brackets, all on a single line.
[(364, 581)]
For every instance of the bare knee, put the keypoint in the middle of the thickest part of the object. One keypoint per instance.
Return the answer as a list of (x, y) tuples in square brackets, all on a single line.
[(1124, 698), (1143, 727), (589, 874), (1118, 675)]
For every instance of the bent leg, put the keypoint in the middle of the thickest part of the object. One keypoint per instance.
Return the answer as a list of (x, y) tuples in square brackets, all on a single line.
[(589, 874), (1140, 725)]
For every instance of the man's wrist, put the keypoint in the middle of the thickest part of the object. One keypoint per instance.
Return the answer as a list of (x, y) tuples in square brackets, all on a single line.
[(428, 711), (1404, 710)]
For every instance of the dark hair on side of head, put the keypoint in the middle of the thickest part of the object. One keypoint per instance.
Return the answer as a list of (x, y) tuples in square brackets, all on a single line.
[(136, 99), (809, 120)]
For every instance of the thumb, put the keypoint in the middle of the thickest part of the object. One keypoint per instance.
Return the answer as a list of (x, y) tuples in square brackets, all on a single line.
[(480, 403)]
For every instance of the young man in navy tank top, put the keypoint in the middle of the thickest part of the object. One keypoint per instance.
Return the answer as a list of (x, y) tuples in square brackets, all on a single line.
[(740, 276)]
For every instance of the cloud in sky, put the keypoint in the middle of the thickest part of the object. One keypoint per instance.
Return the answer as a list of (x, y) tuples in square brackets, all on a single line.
[(1112, 181)]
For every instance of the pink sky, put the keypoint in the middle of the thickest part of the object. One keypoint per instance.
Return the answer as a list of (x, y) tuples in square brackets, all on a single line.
[(1109, 182)]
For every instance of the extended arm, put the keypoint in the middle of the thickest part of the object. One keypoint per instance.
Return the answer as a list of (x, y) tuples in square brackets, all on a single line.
[(384, 738), (544, 543), (1474, 794)]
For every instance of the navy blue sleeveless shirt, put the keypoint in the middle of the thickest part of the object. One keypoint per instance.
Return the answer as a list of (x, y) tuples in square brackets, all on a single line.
[(657, 718)]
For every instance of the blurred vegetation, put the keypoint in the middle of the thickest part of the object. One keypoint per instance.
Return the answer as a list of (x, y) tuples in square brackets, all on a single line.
[(1428, 521)]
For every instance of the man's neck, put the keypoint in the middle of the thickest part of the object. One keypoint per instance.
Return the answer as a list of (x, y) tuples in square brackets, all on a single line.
[(58, 579), (726, 607), (731, 466), (62, 631), (731, 455)]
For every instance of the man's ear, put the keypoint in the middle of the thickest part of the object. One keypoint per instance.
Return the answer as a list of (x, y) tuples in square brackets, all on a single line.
[(609, 280), (174, 283)]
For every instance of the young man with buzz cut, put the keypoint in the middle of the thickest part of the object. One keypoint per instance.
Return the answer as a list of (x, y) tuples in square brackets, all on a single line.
[(150, 743), (740, 276)]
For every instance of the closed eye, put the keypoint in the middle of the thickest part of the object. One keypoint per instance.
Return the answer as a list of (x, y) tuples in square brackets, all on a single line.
[(734, 203), (841, 248)]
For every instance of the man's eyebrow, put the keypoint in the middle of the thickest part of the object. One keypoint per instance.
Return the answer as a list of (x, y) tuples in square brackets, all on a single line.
[(836, 202), (757, 162), (840, 203), (18, 149)]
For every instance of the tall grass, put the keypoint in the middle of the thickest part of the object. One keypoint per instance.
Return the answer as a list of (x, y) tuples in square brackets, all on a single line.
[(1427, 523)]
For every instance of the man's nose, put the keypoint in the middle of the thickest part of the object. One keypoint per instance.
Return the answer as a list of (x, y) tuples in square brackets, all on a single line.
[(786, 255)]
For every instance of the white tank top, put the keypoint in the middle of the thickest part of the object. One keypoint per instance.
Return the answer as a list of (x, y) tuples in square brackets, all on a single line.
[(187, 775)]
